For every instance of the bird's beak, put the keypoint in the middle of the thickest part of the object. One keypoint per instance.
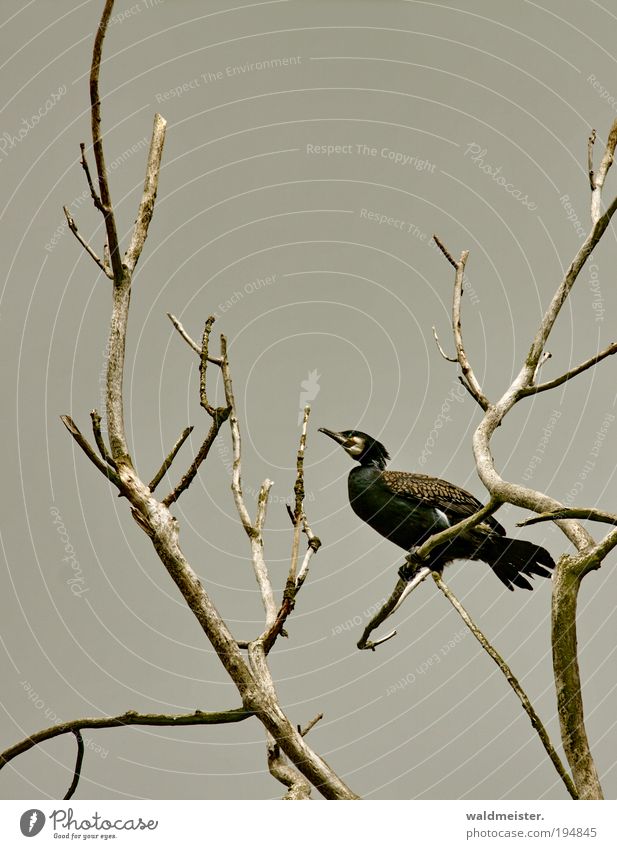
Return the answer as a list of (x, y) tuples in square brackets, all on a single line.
[(333, 434)]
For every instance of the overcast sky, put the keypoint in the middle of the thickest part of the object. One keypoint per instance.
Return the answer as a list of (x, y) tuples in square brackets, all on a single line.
[(313, 147)]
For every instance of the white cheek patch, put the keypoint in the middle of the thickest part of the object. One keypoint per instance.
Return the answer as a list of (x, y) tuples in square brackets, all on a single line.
[(354, 449)]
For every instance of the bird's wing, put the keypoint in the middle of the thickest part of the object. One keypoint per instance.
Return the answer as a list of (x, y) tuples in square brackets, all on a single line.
[(455, 502)]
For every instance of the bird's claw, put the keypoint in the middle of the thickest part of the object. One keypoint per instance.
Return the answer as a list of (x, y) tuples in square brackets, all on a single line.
[(411, 566)]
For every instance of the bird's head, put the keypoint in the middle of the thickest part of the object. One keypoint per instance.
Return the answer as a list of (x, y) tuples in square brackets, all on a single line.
[(360, 446)]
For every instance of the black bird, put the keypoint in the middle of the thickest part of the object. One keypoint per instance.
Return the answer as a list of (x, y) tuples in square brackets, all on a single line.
[(408, 508)]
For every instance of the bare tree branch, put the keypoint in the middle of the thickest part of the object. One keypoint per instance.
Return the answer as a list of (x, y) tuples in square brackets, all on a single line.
[(170, 458), (571, 513), (299, 788), (254, 532), (189, 475), (252, 680), (557, 381), (310, 725), (74, 230), (445, 251), (295, 578), (512, 681), (131, 717), (78, 764), (97, 143), (93, 193), (468, 378), (89, 451), (590, 143), (191, 342), (218, 414), (98, 436), (597, 182), (236, 475), (148, 198), (441, 350)]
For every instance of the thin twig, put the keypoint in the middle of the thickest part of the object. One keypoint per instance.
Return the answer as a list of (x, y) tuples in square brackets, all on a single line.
[(89, 451), (463, 360), (590, 514), (93, 194), (257, 551), (441, 350), (78, 764), (98, 436), (295, 578), (189, 475), (309, 725), (253, 531), (600, 175), (313, 546), (445, 251), (543, 359), (512, 681), (169, 459), (590, 143), (218, 415), (557, 381), (131, 717), (191, 342), (75, 231), (236, 475)]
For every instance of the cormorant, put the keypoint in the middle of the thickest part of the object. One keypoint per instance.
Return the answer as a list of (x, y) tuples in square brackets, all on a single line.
[(408, 508)]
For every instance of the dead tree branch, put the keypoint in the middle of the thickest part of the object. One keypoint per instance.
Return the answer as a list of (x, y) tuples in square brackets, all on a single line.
[(170, 458), (252, 680), (131, 717), (78, 764), (512, 681)]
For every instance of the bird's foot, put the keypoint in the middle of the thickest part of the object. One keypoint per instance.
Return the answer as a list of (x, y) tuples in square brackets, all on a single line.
[(411, 566)]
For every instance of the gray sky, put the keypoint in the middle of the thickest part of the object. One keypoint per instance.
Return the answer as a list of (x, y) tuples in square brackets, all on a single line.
[(312, 150)]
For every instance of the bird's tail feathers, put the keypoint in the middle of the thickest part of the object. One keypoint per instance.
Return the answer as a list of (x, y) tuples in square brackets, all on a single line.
[(516, 560)]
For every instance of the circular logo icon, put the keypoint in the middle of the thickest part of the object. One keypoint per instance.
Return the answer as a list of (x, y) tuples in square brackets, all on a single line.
[(32, 822)]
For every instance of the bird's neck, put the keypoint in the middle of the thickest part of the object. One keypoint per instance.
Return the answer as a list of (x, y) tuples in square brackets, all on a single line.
[(374, 463)]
